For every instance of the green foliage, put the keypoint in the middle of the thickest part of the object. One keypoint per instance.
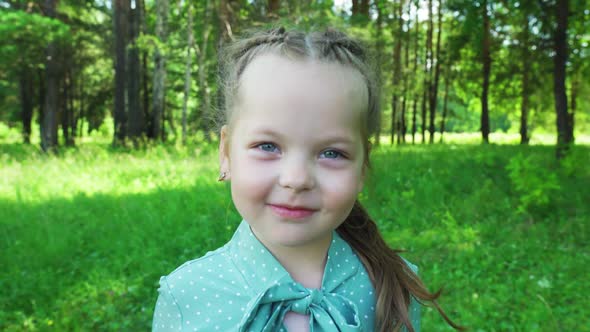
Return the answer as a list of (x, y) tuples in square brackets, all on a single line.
[(84, 34), (536, 186), (453, 209), (88, 233), (149, 43), (7, 133), (107, 128), (29, 34)]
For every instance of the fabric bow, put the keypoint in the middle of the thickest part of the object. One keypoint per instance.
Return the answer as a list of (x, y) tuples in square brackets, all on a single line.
[(327, 311)]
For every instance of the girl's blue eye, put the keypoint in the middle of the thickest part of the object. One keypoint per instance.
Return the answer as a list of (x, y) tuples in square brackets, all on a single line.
[(268, 147), (331, 154)]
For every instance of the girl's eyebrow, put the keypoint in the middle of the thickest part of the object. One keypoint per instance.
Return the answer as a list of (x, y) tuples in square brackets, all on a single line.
[(328, 139), (338, 139), (266, 132)]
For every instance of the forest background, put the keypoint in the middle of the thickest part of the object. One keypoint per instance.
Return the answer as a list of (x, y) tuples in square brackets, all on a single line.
[(107, 151)]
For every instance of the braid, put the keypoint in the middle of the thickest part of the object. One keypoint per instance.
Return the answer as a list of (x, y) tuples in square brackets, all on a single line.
[(362, 234), (273, 36), (336, 41), (395, 283)]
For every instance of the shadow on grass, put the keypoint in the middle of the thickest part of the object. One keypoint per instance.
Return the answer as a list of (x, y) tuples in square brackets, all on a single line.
[(72, 261)]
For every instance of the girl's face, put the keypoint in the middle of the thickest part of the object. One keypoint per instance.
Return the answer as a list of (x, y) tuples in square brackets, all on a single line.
[(294, 149)]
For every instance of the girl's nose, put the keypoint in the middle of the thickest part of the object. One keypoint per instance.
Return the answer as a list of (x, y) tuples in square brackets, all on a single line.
[(296, 175)]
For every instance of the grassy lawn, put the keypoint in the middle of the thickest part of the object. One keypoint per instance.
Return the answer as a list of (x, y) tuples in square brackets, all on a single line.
[(85, 236)]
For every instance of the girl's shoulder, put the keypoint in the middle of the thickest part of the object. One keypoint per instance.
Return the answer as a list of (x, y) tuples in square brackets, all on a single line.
[(204, 293), (201, 273), (203, 263)]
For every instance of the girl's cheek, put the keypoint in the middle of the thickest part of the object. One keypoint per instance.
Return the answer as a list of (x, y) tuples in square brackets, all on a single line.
[(251, 169), (260, 162), (249, 182), (340, 183)]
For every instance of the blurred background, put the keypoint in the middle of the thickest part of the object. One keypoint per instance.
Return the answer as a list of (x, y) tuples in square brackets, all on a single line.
[(108, 159)]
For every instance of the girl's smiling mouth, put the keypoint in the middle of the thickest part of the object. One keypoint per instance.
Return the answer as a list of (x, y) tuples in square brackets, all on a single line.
[(291, 212)]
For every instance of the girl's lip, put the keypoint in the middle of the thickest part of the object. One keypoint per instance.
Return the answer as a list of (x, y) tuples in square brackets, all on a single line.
[(291, 212)]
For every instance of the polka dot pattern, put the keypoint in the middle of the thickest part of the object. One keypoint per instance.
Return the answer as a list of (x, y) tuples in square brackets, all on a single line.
[(242, 287)]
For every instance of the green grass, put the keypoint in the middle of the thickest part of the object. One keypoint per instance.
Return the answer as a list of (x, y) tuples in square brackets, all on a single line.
[(85, 236)]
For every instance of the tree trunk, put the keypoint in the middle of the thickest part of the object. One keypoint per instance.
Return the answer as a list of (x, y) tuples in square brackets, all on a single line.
[(136, 119), (427, 72), (149, 127), (65, 110), (379, 57), (80, 119), (397, 76), (168, 116), (273, 9), (41, 101), (226, 21), (360, 8), (69, 108), (423, 114), (402, 122), (49, 122), (414, 111), (26, 102), (74, 114), (415, 93), (525, 90), (405, 104), (393, 116), (121, 8), (147, 118), (355, 7), (445, 99), (430, 61), (204, 96), (187, 68), (434, 91), (564, 131), (159, 69), (364, 8), (226, 17), (487, 63)]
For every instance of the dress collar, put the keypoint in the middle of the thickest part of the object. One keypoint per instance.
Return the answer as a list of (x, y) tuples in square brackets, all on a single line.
[(261, 270), (275, 292)]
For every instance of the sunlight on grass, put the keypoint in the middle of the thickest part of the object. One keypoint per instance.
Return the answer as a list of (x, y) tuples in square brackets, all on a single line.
[(92, 170)]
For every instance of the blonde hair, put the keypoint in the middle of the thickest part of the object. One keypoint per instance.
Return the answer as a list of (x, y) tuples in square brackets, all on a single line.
[(395, 283)]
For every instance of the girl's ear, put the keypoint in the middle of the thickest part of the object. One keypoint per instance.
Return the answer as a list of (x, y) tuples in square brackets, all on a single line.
[(224, 153)]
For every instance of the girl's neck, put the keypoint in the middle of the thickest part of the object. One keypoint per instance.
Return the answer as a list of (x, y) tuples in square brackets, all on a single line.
[(305, 264)]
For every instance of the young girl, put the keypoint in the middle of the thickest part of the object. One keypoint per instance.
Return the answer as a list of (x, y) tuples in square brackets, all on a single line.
[(299, 111)]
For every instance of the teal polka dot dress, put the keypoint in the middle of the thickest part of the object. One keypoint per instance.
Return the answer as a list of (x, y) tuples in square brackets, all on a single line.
[(242, 287)]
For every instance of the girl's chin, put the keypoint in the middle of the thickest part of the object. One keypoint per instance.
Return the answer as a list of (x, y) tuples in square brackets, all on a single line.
[(294, 239)]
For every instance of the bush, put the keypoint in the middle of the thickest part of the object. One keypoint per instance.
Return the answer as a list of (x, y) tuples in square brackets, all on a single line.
[(9, 133), (535, 184)]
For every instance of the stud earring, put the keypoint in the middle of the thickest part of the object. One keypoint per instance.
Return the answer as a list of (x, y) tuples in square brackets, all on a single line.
[(221, 176)]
